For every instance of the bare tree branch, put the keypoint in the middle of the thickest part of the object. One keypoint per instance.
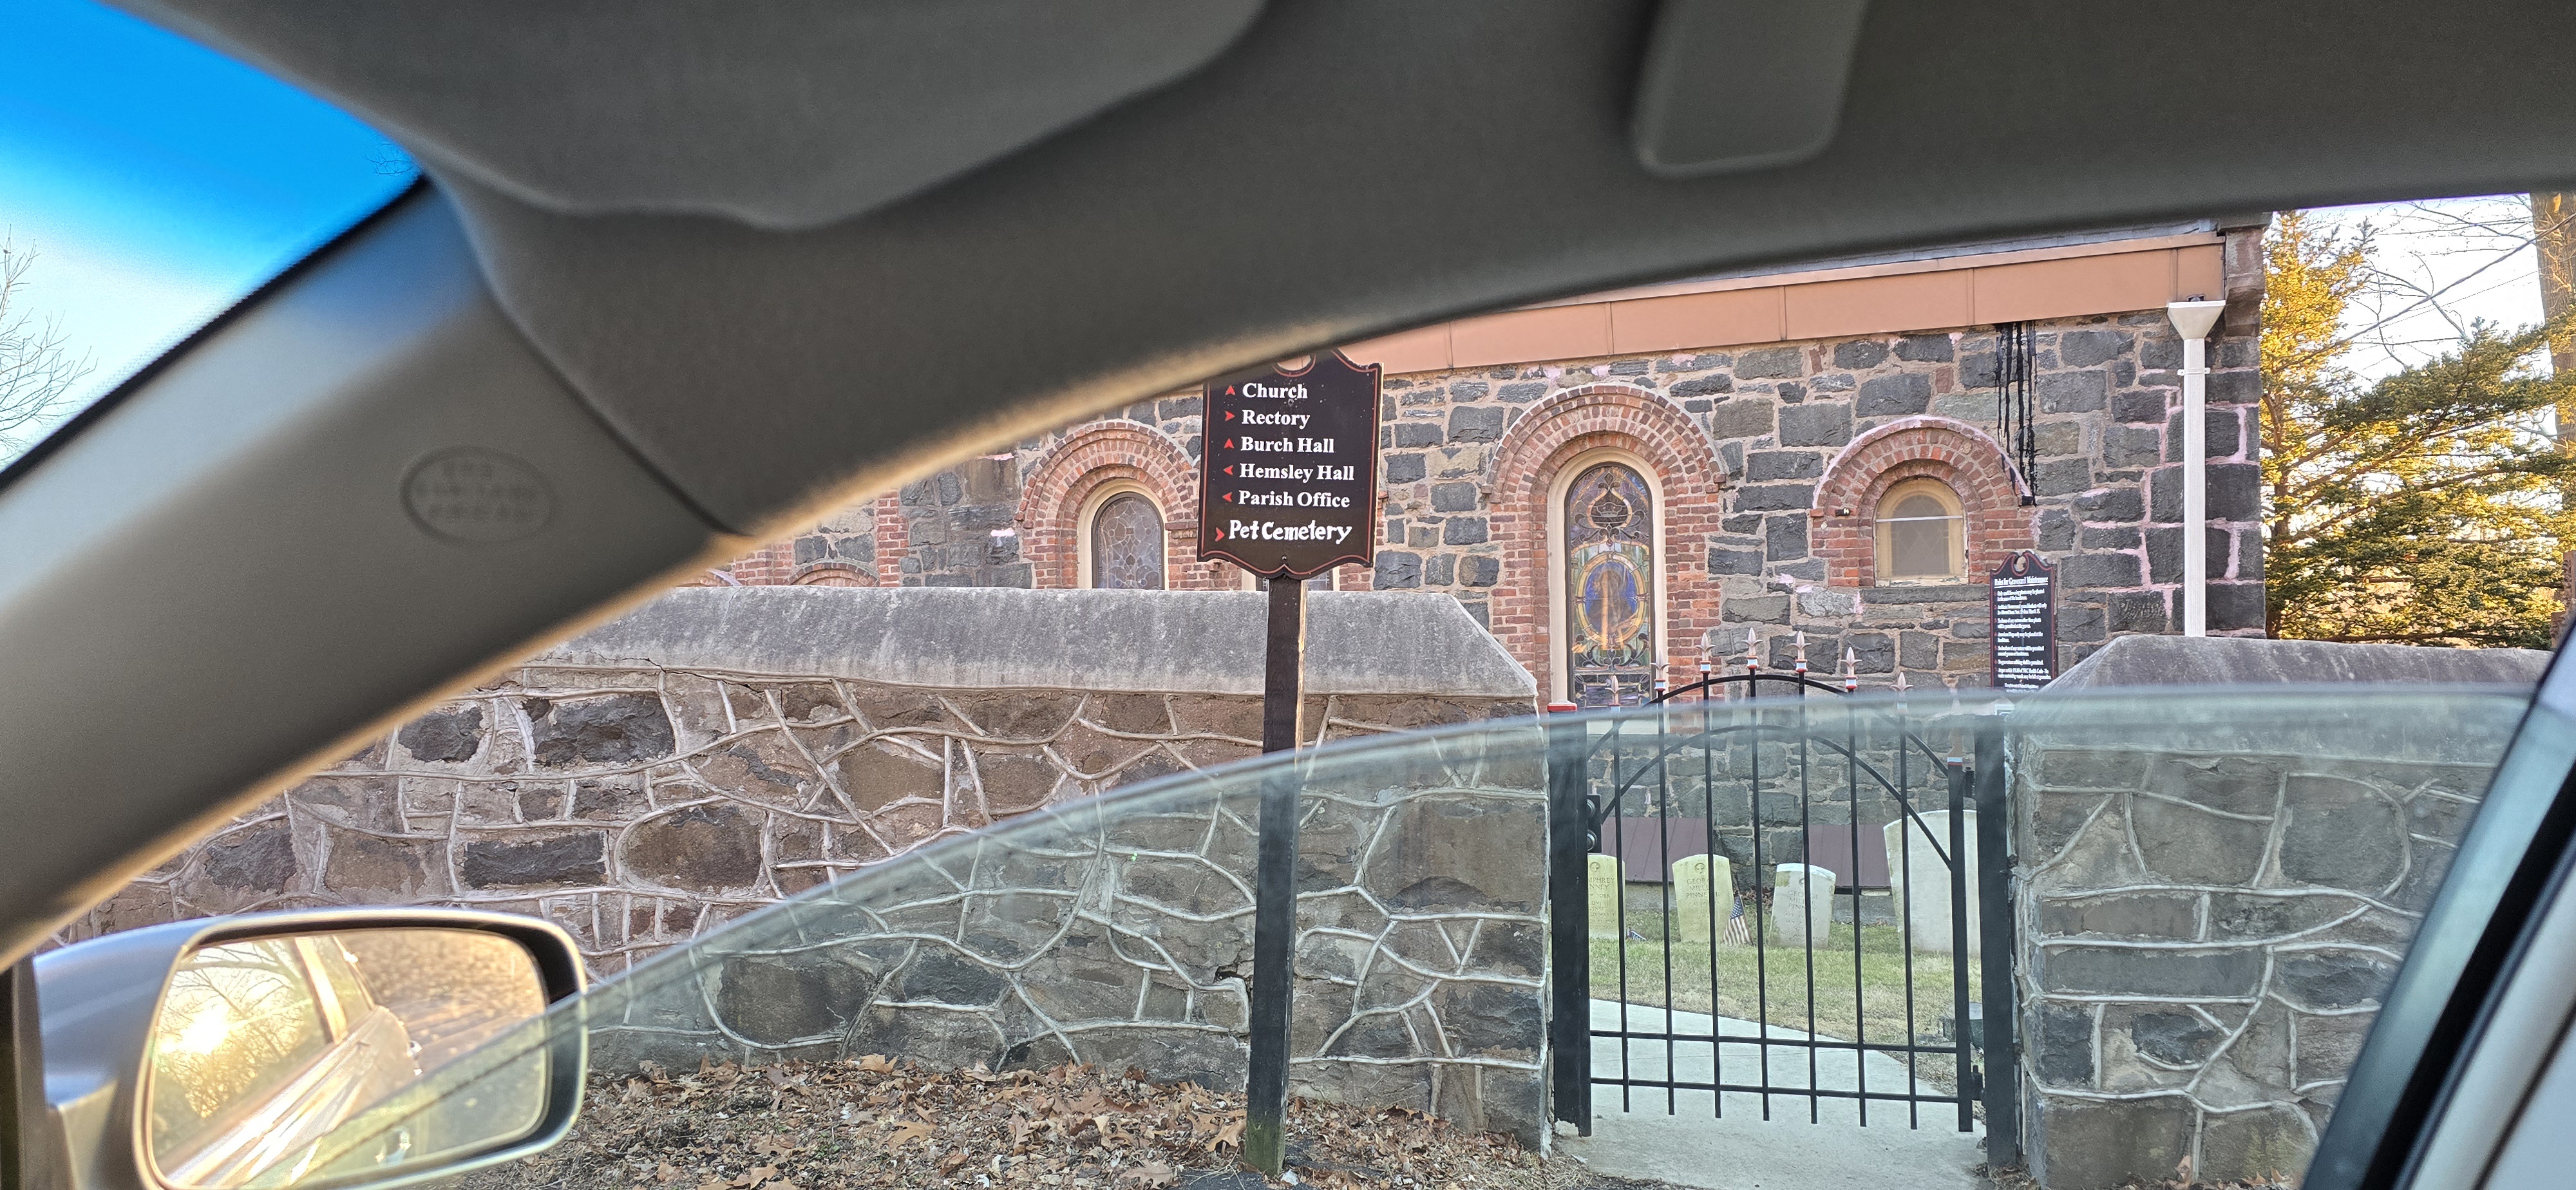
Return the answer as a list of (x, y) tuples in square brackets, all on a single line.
[(37, 368)]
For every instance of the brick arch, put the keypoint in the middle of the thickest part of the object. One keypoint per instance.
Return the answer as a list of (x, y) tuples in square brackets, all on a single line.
[(1954, 452), (1092, 457), (1529, 460), (833, 572)]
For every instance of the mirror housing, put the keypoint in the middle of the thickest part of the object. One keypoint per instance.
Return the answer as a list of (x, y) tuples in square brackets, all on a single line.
[(98, 1004)]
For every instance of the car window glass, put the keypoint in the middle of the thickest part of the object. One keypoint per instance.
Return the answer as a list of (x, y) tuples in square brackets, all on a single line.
[(1108, 931), (147, 184)]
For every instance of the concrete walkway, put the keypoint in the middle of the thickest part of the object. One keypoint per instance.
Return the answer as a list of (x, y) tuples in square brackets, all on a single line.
[(1692, 1145)]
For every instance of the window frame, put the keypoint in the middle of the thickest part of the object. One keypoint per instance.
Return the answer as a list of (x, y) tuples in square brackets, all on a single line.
[(1086, 569), (1882, 537), (1560, 664)]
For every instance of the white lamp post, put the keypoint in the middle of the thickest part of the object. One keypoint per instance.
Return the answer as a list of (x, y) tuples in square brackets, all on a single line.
[(2193, 320)]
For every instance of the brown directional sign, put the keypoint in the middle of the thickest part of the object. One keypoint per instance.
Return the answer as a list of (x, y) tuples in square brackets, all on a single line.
[(2022, 608), (1288, 475)]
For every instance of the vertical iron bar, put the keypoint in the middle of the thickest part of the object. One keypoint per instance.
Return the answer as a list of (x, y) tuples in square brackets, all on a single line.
[(1959, 877), (1718, 923), (1664, 856), (1619, 851), (1905, 911), (1807, 895), (1860, 1014), (1995, 906), (1761, 937), (1569, 891), (1274, 915)]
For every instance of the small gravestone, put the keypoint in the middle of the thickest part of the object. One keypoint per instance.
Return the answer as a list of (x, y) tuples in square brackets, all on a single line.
[(1602, 895), (1699, 883), (1802, 905), (1919, 878)]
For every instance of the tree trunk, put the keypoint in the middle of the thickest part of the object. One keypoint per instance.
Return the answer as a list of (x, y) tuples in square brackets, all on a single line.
[(2553, 225)]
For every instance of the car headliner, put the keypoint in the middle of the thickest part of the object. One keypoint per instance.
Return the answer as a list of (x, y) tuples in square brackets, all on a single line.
[(768, 320)]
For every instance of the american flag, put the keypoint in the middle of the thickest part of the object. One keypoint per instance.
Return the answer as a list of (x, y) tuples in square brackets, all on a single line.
[(1736, 929)]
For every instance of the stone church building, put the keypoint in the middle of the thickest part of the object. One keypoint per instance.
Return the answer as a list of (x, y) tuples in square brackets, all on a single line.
[(1621, 485)]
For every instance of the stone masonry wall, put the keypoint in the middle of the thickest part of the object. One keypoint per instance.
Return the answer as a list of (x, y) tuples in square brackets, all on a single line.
[(1767, 456), (2213, 899), (1774, 423), (1124, 938), (641, 808), (719, 751)]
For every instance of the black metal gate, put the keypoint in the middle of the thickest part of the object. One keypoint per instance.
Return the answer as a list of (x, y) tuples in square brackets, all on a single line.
[(1748, 767)]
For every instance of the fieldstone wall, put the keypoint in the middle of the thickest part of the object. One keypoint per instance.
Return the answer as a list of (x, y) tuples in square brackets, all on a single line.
[(724, 748), (1125, 939), (2213, 897)]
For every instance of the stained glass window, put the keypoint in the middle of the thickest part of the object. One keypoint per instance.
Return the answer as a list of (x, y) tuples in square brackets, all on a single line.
[(1127, 544), (1609, 588)]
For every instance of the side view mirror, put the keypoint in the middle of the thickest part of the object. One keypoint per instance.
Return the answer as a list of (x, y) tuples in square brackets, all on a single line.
[(326, 1049)]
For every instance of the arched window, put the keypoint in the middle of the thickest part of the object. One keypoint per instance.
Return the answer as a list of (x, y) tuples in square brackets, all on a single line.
[(1609, 587), (1922, 535), (1127, 544)]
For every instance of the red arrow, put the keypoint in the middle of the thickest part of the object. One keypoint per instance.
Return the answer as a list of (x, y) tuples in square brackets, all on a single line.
[(1229, 444), (1229, 415), (1229, 468), (1228, 497), (1220, 535), (1229, 390)]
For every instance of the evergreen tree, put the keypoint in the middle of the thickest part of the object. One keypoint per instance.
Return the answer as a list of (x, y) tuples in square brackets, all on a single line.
[(2419, 508)]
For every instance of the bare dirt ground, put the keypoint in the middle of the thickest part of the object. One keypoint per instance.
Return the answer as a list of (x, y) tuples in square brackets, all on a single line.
[(876, 1122)]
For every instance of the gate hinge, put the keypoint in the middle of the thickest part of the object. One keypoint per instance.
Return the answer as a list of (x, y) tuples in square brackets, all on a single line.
[(1976, 1084)]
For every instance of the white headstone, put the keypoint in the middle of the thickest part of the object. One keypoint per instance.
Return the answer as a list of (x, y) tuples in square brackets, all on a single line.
[(1703, 897), (1802, 905), (1603, 891), (1919, 879)]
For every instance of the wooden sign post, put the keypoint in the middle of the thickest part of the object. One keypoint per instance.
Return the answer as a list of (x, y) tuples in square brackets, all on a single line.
[(1287, 490)]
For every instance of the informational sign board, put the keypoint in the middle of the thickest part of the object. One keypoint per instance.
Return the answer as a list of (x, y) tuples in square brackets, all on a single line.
[(1288, 474), (2022, 606)]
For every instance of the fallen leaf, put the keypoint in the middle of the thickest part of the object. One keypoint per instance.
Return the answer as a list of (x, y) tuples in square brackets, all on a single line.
[(1153, 1175), (909, 1130)]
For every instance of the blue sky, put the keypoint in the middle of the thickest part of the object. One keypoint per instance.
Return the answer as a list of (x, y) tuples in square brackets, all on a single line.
[(157, 182)]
